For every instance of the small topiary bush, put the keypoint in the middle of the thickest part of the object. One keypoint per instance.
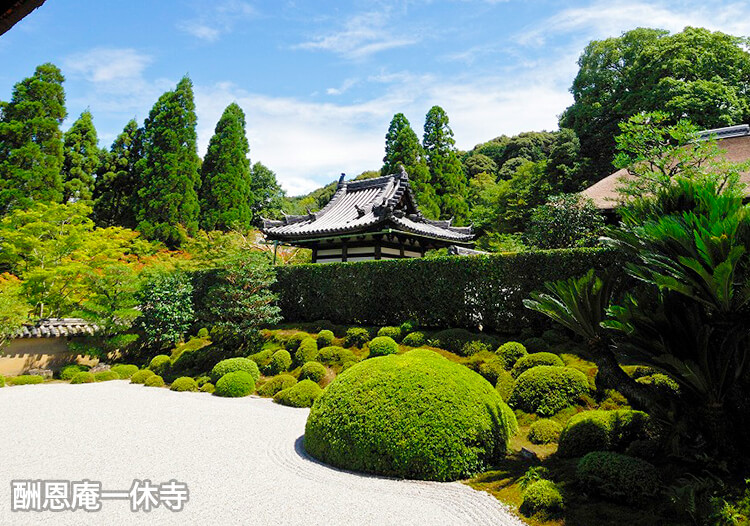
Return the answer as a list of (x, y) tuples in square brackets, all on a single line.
[(452, 340), (278, 383), (105, 376), (546, 389), (391, 332), (154, 381), (231, 365), (324, 339), (382, 346), (313, 371), (261, 358), (382, 416), (208, 388), (661, 383), (473, 347), (124, 370), (160, 364), (184, 383), (356, 337), (83, 377), (307, 351), (69, 371), (280, 361), (26, 379), (602, 431), (301, 394), (491, 370), (525, 363), (534, 345), (510, 353), (336, 355), (504, 385), (202, 380), (544, 431), (292, 344), (542, 496), (140, 377), (235, 384), (414, 339), (202, 332), (408, 326), (2, 381), (617, 477)]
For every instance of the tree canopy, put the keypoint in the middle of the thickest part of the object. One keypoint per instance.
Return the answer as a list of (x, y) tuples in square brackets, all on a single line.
[(81, 159)]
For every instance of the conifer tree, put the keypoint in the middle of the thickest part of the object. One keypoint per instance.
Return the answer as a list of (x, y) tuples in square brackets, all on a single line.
[(226, 198), (116, 187), (31, 148), (168, 208), (402, 148), (267, 194), (447, 174), (81, 159)]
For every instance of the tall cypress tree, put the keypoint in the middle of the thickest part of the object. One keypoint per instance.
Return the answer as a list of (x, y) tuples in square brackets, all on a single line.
[(402, 148), (81, 159), (168, 206), (116, 187), (31, 148), (226, 198), (447, 174)]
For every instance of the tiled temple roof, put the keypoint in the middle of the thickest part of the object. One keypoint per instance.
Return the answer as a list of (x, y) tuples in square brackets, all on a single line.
[(57, 328)]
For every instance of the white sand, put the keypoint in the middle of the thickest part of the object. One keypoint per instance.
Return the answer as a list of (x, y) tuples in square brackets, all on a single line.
[(241, 458)]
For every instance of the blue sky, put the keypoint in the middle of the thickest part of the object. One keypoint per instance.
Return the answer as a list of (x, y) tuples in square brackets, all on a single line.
[(320, 81)]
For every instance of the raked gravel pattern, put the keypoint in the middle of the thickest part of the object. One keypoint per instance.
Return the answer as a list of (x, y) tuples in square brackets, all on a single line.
[(242, 459)]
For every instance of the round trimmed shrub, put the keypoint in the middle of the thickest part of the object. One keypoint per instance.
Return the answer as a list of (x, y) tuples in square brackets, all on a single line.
[(491, 370), (84, 377), (391, 332), (280, 361), (26, 379), (202, 380), (124, 370), (324, 339), (313, 371), (356, 337), (382, 346), (301, 394), (307, 351), (235, 384), (278, 383), (105, 376), (69, 371), (617, 477), (473, 347), (415, 339), (546, 389), (542, 496), (413, 415), (184, 383), (154, 381), (208, 387), (544, 431), (202, 332), (602, 431), (510, 352), (334, 354), (408, 326), (505, 384), (231, 365), (140, 377), (525, 363), (160, 363), (292, 344), (261, 358), (534, 345)]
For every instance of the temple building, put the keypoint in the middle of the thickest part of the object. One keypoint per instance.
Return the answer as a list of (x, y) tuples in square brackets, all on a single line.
[(368, 219)]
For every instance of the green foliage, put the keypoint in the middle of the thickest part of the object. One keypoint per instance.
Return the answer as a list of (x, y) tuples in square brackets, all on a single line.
[(505, 384), (277, 383), (262, 358), (154, 381), (452, 340), (267, 194), (31, 148), (381, 416), (25, 379), (391, 332), (473, 347), (336, 355), (382, 346), (160, 364), (105, 376), (235, 384), (546, 389), (415, 339), (69, 371), (294, 341), (535, 345), (602, 431), (2, 381), (313, 371), (532, 360), (166, 306), (281, 361), (542, 496), (492, 370), (554, 337), (307, 351), (208, 388), (532, 475), (123, 370), (83, 377), (81, 159), (385, 289), (565, 221), (302, 394), (617, 477), (203, 333), (511, 352), (544, 431), (356, 337), (13, 307), (235, 364), (184, 383), (202, 380), (141, 376), (324, 339)]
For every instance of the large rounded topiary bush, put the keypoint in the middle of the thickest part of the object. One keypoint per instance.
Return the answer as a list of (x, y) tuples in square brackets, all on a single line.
[(235, 384), (510, 352), (546, 389), (544, 431), (382, 346), (415, 339), (160, 363), (525, 363), (231, 365), (415, 415), (602, 431), (617, 477)]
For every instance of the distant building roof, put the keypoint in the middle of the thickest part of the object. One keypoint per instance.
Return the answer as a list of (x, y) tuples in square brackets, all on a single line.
[(12, 12), (57, 328), (735, 140), (367, 206)]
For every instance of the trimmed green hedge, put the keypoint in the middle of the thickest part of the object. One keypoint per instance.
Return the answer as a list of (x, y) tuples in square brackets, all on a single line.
[(281, 361), (525, 363), (307, 351), (154, 381), (314, 371), (83, 377), (391, 332), (279, 383), (617, 477), (511, 352), (602, 431), (184, 383), (440, 292), (235, 384), (140, 377), (541, 496), (69, 371), (415, 339), (301, 394), (546, 389), (124, 370), (544, 431), (231, 365), (26, 379), (106, 376), (325, 338), (382, 346)]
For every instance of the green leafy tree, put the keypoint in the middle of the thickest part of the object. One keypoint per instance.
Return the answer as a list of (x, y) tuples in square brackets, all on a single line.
[(267, 194), (565, 221), (166, 304), (31, 148), (168, 207), (226, 196), (402, 148), (116, 188), (81, 159), (446, 172), (13, 308)]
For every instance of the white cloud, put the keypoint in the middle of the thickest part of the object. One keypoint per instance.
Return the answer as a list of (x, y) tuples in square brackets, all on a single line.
[(107, 64), (217, 19), (345, 86)]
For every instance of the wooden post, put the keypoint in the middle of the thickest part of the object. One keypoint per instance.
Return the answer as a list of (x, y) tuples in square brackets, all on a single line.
[(343, 250), (314, 254)]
